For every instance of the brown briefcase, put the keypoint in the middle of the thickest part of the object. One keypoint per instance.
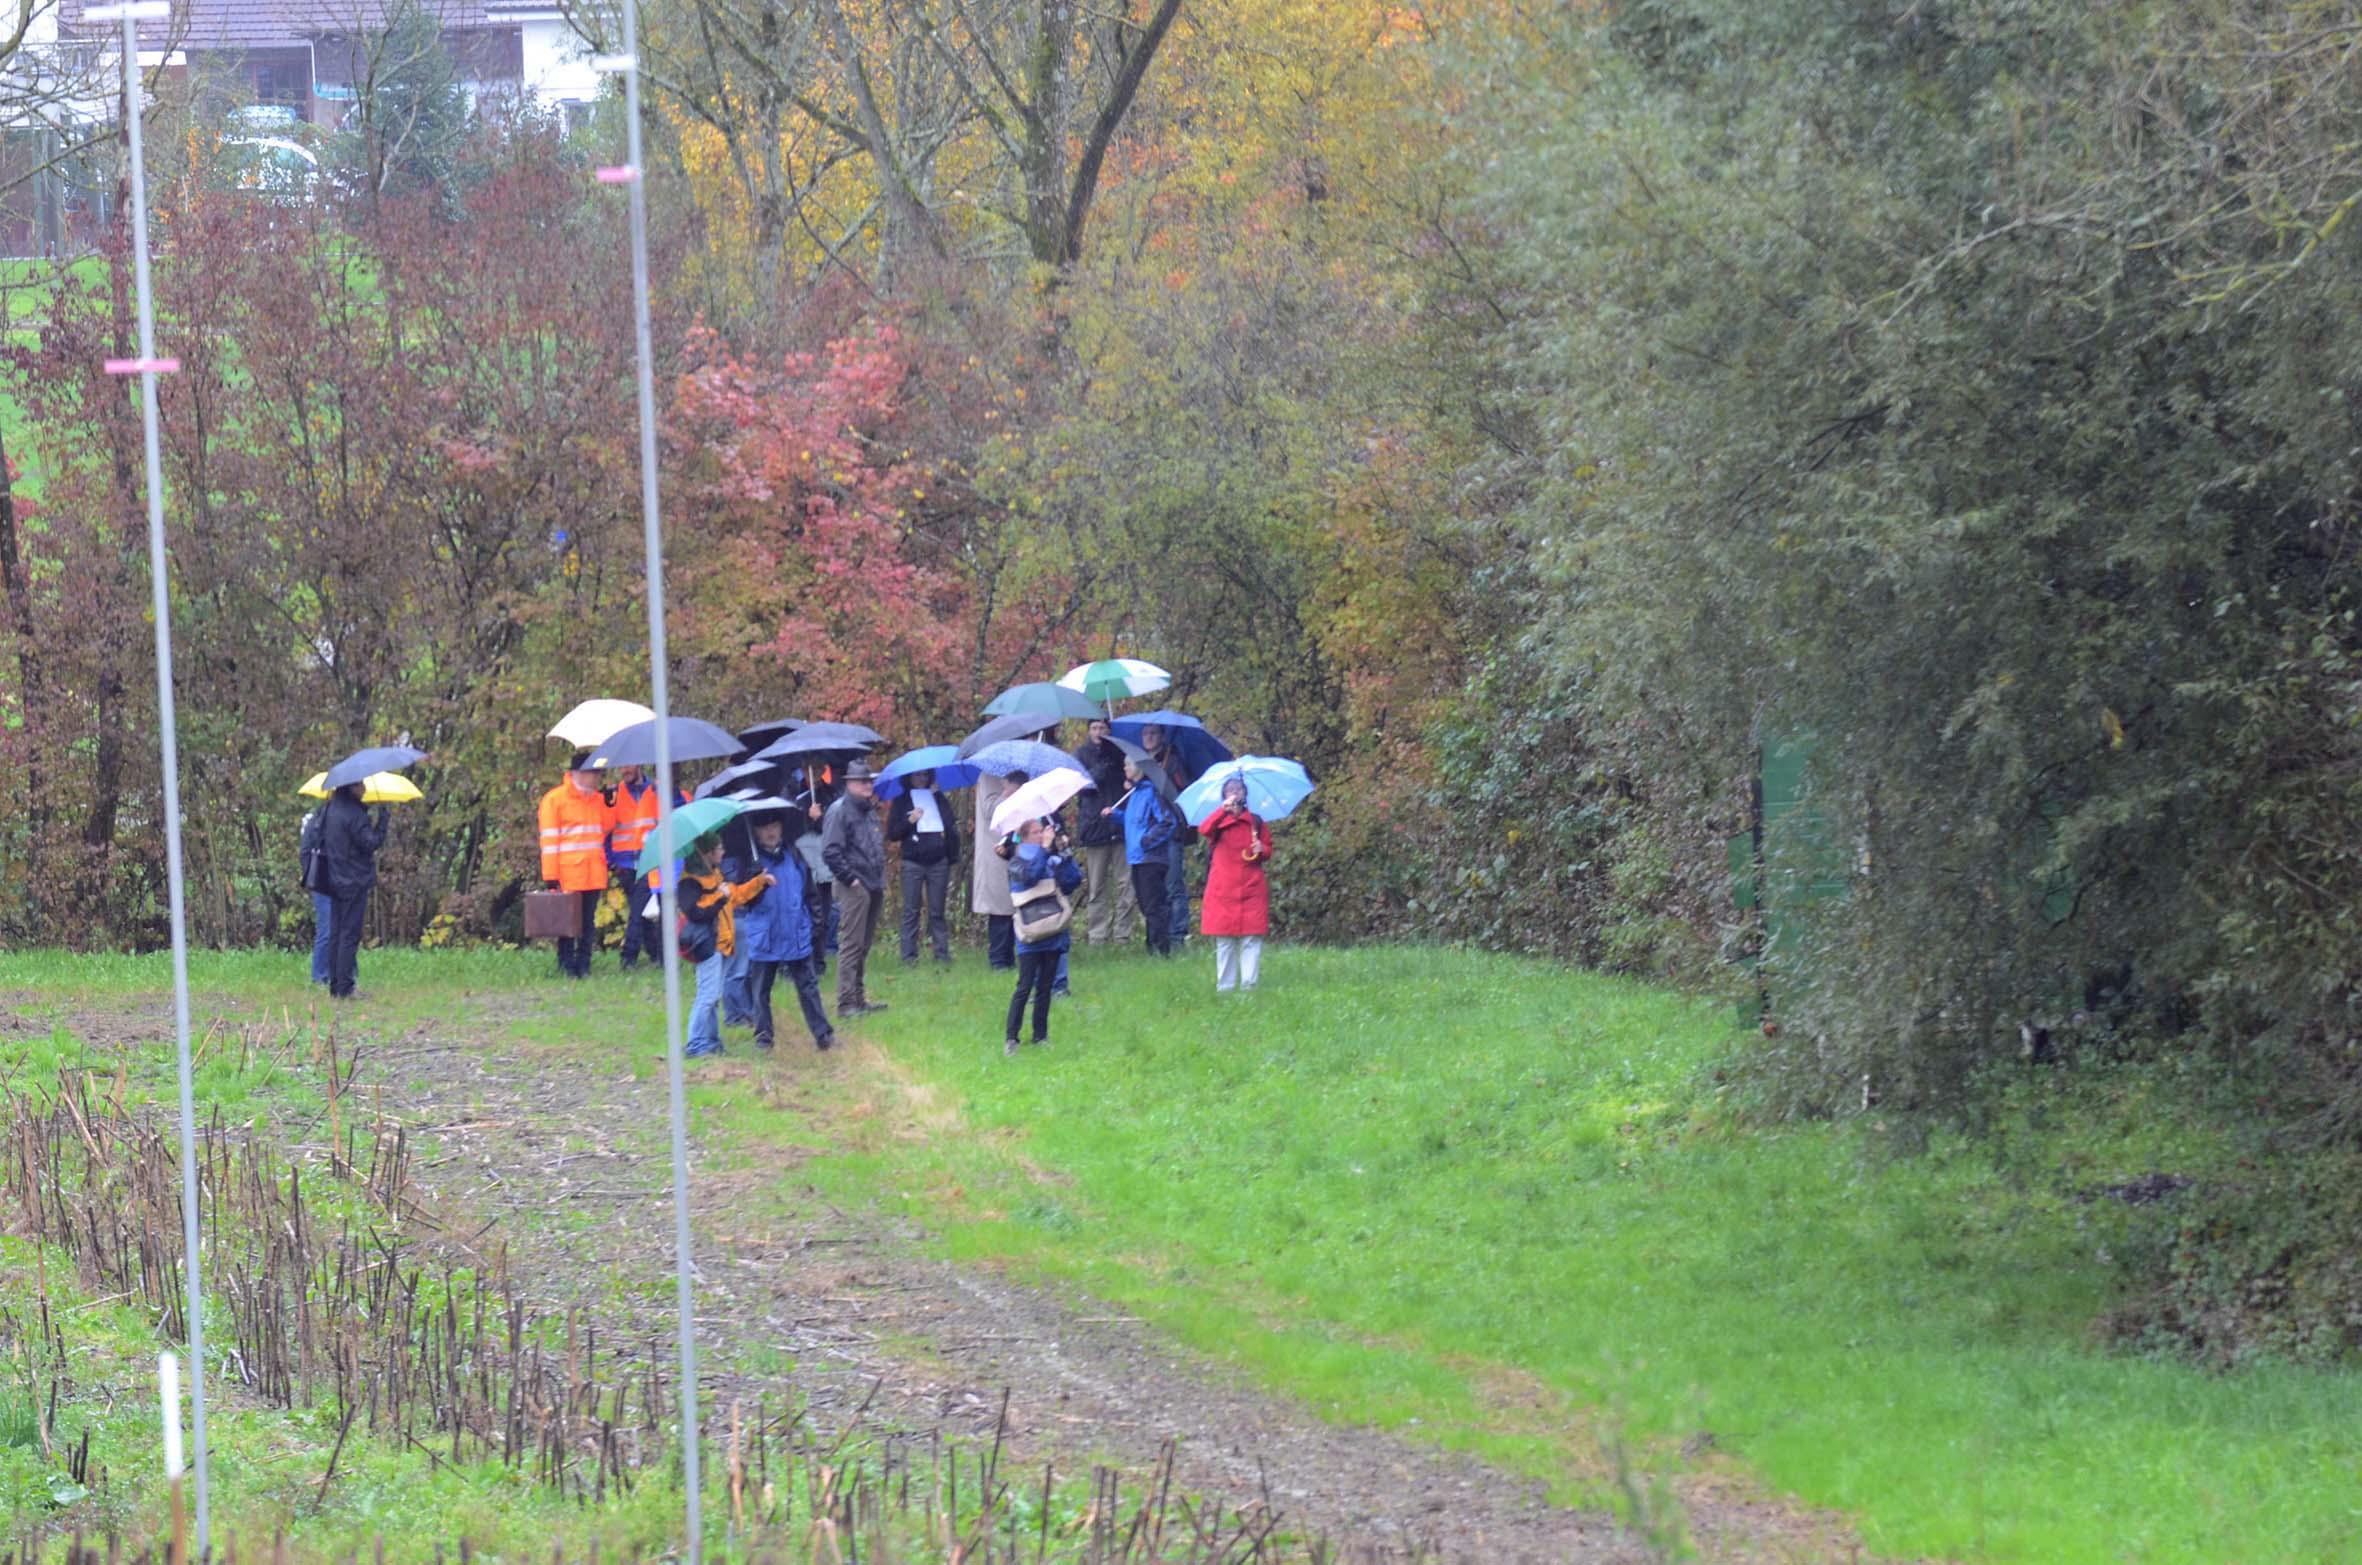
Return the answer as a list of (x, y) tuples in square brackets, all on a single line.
[(553, 915)]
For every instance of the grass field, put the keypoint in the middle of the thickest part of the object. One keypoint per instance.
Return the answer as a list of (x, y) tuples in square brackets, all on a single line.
[(1506, 1207)]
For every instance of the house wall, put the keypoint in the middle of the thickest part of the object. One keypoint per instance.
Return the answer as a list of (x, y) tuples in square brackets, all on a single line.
[(557, 64)]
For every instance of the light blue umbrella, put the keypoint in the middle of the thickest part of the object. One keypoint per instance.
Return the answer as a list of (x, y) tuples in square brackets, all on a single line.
[(1275, 786), (1029, 756), (941, 759)]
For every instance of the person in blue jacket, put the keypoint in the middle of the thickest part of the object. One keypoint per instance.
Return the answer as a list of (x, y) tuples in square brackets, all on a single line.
[(1149, 827), (1040, 856), (775, 931)]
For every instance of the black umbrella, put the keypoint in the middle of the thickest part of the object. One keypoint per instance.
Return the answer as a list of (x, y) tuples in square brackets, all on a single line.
[(761, 734), (362, 764), (692, 740), (731, 778), (1015, 725), (853, 735), (825, 741), (1158, 783)]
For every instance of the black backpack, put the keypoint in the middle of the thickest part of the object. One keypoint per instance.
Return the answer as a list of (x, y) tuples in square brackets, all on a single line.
[(314, 852)]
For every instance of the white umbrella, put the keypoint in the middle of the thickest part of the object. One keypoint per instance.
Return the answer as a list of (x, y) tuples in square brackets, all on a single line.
[(1115, 679), (595, 722), (1037, 798)]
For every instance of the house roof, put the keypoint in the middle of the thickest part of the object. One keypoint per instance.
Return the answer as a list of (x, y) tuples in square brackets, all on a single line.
[(271, 24)]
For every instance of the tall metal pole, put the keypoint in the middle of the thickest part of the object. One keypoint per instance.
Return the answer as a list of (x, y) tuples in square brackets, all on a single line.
[(633, 176), (147, 366)]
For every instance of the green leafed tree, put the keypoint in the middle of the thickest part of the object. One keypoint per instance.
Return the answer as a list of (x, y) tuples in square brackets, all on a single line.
[(1971, 387)]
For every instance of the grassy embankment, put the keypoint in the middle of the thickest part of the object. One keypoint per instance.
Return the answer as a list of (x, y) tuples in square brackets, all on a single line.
[(1502, 1206)]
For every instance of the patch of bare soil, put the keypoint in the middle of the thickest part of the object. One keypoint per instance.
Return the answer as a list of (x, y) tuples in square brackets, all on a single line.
[(568, 1171)]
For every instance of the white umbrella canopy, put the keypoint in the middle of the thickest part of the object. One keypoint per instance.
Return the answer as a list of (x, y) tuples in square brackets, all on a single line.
[(1037, 798), (594, 722)]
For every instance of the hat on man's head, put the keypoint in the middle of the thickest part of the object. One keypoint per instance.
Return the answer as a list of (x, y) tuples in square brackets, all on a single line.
[(858, 771), (581, 761)]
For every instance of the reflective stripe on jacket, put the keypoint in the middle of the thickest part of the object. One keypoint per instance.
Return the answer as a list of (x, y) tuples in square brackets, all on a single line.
[(634, 823), (574, 838)]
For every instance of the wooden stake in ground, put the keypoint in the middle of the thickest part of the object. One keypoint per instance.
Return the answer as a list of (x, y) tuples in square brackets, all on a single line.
[(168, 1395)]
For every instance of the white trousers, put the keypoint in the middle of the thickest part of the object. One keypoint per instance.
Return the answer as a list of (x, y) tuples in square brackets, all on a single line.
[(1238, 962)]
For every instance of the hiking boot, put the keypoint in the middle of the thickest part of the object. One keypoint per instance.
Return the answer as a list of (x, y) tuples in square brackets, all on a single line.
[(1010, 1048), (825, 1044), (872, 1007)]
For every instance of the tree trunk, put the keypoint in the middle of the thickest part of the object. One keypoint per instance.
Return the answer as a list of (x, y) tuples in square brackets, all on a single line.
[(32, 696)]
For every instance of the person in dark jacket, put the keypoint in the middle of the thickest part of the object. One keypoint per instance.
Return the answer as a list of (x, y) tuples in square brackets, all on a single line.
[(323, 905), (349, 840), (854, 848), (1039, 856), (774, 930), (920, 819), (1107, 881), (1149, 824), (1176, 776)]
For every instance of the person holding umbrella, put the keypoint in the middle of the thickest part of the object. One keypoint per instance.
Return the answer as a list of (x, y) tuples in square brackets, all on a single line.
[(1107, 883), (708, 901), (1149, 826), (1177, 776), (773, 927), (1237, 912), (1039, 876), (575, 821), (349, 840), (854, 848), (990, 896), (919, 820)]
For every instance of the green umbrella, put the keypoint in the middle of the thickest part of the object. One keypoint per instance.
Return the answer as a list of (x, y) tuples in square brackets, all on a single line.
[(702, 818), (1043, 699)]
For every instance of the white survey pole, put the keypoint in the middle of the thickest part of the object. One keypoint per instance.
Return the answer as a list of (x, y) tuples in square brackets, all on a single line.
[(632, 175), (147, 367)]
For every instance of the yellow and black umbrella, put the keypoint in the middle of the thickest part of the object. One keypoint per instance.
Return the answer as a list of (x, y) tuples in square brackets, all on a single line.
[(376, 788)]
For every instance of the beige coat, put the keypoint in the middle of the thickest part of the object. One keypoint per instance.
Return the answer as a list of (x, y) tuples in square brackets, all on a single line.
[(991, 894)]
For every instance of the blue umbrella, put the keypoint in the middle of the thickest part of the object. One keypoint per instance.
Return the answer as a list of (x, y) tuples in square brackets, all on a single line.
[(1023, 755), (1197, 748), (358, 766), (1275, 786), (692, 740), (941, 759)]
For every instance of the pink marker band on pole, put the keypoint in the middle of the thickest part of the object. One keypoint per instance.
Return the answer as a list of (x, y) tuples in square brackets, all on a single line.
[(620, 174), (143, 366)]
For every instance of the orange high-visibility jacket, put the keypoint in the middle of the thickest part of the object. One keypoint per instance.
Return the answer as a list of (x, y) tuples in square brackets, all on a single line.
[(574, 828), (634, 819)]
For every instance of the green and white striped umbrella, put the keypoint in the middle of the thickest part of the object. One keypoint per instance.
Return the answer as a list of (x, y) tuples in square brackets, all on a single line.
[(1116, 679)]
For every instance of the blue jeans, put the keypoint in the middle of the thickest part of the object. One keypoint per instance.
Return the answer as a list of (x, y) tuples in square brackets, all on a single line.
[(705, 1012), (738, 1004), (323, 934), (1058, 984)]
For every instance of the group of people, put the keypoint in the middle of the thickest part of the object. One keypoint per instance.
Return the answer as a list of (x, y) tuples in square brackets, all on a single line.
[(801, 877)]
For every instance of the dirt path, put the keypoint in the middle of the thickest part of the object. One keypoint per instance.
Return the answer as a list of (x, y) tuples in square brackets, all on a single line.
[(569, 1169)]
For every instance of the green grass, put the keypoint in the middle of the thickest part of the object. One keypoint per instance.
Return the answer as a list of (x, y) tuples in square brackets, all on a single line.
[(1436, 1189), (1501, 1206)]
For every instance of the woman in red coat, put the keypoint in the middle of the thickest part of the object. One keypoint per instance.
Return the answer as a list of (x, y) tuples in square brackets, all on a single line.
[(1238, 893)]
